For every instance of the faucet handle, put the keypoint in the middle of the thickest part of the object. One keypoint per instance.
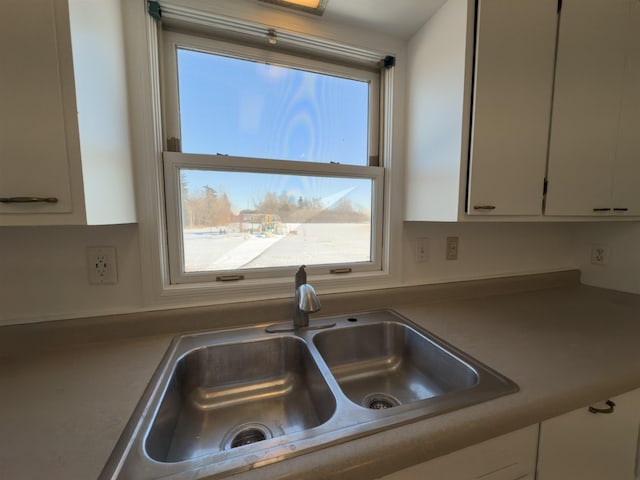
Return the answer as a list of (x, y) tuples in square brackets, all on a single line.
[(307, 299), (301, 276)]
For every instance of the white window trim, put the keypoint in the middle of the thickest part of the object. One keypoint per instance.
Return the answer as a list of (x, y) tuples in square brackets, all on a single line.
[(143, 59)]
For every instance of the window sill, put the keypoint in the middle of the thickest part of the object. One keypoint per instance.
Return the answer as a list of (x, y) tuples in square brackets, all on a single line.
[(219, 293)]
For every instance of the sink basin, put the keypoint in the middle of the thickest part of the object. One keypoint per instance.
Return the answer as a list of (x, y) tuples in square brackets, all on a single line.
[(224, 402), (228, 396), (387, 364)]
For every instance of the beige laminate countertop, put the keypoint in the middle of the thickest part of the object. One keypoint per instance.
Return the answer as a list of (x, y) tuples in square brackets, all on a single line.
[(62, 409)]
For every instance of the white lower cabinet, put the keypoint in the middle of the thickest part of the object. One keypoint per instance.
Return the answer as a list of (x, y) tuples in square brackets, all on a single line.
[(596, 442), (582, 445), (509, 457)]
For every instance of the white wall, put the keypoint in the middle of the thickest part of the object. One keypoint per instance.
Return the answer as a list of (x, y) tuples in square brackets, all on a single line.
[(43, 272), (43, 269), (488, 250), (623, 241)]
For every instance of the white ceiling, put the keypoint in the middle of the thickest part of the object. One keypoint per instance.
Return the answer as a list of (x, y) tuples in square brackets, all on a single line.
[(400, 18)]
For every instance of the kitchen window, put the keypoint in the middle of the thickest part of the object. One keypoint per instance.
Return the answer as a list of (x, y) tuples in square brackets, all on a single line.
[(272, 162)]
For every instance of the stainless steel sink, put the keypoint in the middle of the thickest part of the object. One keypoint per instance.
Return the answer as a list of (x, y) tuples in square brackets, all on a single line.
[(228, 401), (386, 364), (227, 396)]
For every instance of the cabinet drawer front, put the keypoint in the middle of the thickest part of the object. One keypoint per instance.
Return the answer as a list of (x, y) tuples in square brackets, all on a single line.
[(509, 457)]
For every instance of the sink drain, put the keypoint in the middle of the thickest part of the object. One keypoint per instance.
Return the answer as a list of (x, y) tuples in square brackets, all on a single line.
[(380, 401), (246, 435)]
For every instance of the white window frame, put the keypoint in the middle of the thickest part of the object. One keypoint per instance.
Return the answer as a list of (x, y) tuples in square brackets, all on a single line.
[(362, 46), (175, 161)]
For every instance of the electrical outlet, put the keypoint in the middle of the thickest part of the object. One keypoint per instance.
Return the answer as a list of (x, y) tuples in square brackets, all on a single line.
[(452, 248), (599, 254), (422, 249), (102, 266)]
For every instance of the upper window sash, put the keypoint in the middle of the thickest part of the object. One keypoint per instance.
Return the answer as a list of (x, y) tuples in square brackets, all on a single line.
[(174, 40)]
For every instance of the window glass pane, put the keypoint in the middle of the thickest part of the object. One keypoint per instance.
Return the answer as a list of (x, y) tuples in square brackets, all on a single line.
[(250, 109), (240, 220)]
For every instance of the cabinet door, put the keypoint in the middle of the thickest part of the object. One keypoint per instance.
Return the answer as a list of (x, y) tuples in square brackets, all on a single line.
[(626, 174), (586, 106), (512, 106), (587, 446), (34, 129), (509, 457)]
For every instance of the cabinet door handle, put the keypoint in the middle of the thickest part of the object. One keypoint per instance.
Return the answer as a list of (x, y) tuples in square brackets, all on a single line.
[(28, 200), (484, 207), (620, 209), (601, 209), (603, 410)]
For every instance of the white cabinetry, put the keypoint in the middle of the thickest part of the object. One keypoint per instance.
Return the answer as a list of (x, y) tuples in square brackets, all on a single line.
[(64, 130), (33, 138), (511, 106), (509, 457), (592, 446), (503, 165), (594, 151), (626, 171), (479, 111)]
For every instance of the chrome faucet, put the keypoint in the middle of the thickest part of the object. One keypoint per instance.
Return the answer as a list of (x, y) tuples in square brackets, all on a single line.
[(306, 300)]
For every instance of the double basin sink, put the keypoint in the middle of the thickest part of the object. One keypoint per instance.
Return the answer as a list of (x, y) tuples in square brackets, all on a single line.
[(229, 401)]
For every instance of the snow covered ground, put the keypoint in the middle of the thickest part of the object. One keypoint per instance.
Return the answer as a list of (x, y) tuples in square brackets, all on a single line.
[(311, 243)]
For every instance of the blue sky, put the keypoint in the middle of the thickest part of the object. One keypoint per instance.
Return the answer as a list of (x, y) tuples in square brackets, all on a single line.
[(250, 109)]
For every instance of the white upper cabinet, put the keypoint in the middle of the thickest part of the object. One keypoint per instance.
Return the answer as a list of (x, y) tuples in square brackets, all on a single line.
[(594, 151), (439, 73), (511, 106), (34, 140), (64, 130), (485, 156), (626, 171), (502, 94)]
